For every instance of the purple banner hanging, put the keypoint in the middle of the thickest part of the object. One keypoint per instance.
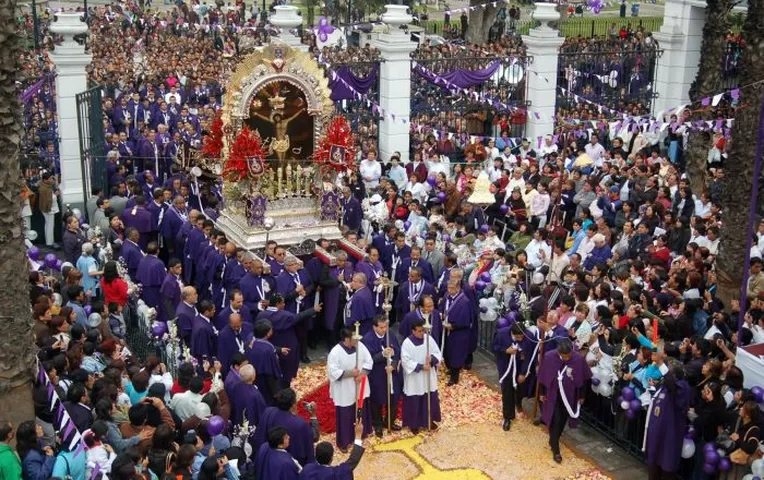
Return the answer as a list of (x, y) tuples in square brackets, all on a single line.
[(460, 78), (346, 85)]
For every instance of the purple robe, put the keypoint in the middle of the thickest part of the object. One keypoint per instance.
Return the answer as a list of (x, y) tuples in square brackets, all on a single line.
[(502, 340), (667, 423), (458, 312), (263, 356), (284, 335), (249, 404), (275, 464), (186, 314), (216, 263), (392, 257), (575, 377), (232, 275), (194, 240), (204, 342), (345, 418), (132, 255), (404, 328), (360, 308), (332, 291), (300, 433), (170, 228), (286, 284), (378, 379), (314, 471), (276, 267), (170, 298), (372, 272), (230, 343), (255, 289), (221, 320), (151, 274), (140, 219), (402, 273), (406, 296)]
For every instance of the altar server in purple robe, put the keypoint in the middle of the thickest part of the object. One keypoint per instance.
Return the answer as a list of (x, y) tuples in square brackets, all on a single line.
[(204, 341), (666, 425), (334, 282), (322, 468), (249, 403), (410, 291), (360, 306), (283, 414), (232, 273), (264, 356), (169, 292), (285, 325), (139, 218), (457, 314), (174, 219), (424, 309), (552, 334), (186, 313), (235, 337), (509, 345), (273, 461), (563, 377), (373, 269), (151, 274), (131, 253), (384, 374), (236, 306), (419, 375), (415, 260), (254, 285), (395, 254), (194, 238), (347, 364), (293, 283)]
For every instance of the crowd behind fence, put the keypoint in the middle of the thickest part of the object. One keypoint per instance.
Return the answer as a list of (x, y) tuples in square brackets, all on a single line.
[(570, 27)]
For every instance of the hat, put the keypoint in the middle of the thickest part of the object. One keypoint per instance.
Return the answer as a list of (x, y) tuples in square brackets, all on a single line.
[(614, 189), (376, 198)]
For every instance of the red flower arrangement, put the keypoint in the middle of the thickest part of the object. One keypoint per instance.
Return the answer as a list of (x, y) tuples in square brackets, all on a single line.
[(337, 147), (213, 141), (246, 157)]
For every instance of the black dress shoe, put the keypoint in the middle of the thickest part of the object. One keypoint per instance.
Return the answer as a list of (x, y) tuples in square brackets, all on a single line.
[(305, 359), (378, 432), (450, 383), (468, 366), (415, 431), (507, 424), (537, 422), (433, 426), (557, 458), (396, 427)]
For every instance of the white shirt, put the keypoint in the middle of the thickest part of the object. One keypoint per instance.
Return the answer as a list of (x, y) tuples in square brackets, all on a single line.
[(417, 190), (343, 390), (184, 404), (514, 183), (433, 168), (595, 152), (415, 383), (371, 169), (533, 250), (540, 204)]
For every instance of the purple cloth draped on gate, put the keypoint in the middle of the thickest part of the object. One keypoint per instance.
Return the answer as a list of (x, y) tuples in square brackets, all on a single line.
[(461, 78), (32, 90), (346, 85)]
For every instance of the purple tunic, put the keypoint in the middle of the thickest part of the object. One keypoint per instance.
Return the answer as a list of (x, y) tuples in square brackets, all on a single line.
[(275, 464), (346, 420), (360, 308), (314, 471), (262, 355), (140, 219), (284, 335), (378, 376), (249, 404), (132, 255), (577, 374), (170, 297), (372, 272), (402, 273), (300, 433), (186, 314), (331, 291), (286, 283), (230, 343), (255, 289), (233, 273), (190, 252), (404, 329), (204, 342), (666, 426), (151, 274), (458, 312), (221, 320), (407, 296)]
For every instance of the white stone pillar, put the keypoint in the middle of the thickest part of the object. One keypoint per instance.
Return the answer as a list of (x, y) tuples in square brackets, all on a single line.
[(71, 61), (286, 18), (543, 44), (680, 38), (395, 46)]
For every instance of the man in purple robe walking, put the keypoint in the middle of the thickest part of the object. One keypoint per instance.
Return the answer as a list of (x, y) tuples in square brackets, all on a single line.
[(265, 358), (186, 313), (563, 377), (169, 292), (249, 404), (334, 281), (360, 306), (235, 337), (273, 460), (130, 252), (457, 323), (373, 269), (294, 284), (204, 343), (283, 414), (151, 274), (236, 306), (411, 291), (254, 285), (139, 218), (509, 346), (322, 469), (384, 374)]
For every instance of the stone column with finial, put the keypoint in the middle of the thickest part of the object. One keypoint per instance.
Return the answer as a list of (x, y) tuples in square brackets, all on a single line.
[(287, 19), (395, 46), (71, 78), (543, 44)]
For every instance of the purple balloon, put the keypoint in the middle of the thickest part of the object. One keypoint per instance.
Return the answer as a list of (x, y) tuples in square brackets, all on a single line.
[(442, 197), (627, 393), (712, 457), (480, 285), (33, 253), (432, 181), (595, 381), (323, 37), (724, 464), (406, 225), (159, 329), (619, 401), (504, 209), (50, 260), (502, 322), (483, 309), (631, 414), (709, 469), (82, 220), (635, 405), (484, 228), (446, 238), (486, 277), (88, 309), (512, 317), (758, 394), (709, 447), (215, 425), (322, 22), (58, 265)]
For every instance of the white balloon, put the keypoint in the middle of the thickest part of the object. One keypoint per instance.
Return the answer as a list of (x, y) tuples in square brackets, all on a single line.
[(606, 389), (77, 213), (31, 235), (748, 477), (688, 448), (757, 468), (492, 302), (625, 405), (596, 388), (483, 302)]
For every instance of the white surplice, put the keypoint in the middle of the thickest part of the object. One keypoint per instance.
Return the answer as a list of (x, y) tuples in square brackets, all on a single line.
[(415, 383), (343, 390)]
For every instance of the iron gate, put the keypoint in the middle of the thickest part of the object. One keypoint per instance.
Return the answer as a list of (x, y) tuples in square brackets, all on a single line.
[(90, 126)]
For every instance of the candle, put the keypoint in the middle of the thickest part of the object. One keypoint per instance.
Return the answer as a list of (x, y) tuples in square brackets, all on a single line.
[(289, 180), (299, 181), (280, 174)]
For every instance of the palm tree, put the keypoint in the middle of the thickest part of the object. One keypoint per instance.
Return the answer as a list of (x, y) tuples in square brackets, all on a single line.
[(739, 170), (707, 82), (16, 347)]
